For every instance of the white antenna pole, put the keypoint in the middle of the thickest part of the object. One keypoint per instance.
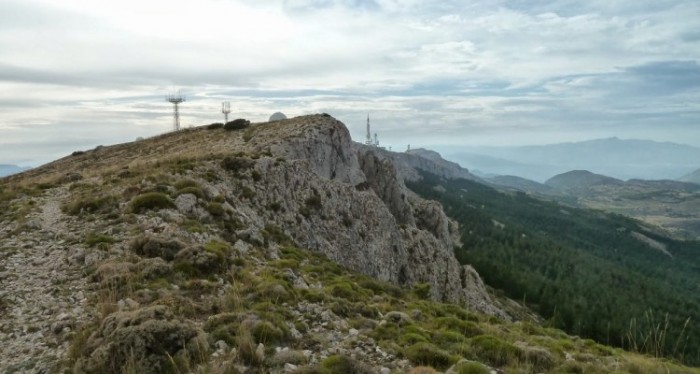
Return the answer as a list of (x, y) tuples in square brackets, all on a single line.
[(369, 136), (226, 109)]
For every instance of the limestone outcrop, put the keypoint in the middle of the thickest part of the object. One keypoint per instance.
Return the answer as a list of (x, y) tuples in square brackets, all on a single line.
[(363, 216)]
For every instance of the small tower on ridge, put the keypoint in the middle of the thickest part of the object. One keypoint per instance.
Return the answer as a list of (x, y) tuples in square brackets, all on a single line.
[(226, 109), (176, 100), (369, 135)]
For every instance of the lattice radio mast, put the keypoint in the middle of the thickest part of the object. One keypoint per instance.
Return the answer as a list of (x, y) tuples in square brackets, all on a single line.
[(176, 100), (369, 135), (226, 109)]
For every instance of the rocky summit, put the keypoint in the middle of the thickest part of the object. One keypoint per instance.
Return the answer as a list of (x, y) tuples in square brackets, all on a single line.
[(277, 247)]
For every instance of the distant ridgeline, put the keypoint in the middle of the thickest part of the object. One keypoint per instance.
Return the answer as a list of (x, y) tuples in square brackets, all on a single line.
[(593, 274)]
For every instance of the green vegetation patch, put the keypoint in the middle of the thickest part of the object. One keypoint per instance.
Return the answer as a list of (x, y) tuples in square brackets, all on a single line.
[(150, 201), (430, 355), (90, 204), (495, 351)]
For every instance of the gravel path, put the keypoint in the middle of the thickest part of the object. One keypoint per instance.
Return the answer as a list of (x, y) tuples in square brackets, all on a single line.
[(42, 295)]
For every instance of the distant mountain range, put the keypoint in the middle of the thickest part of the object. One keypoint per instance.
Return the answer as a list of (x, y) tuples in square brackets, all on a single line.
[(693, 177), (10, 169), (580, 179), (619, 158), (670, 204)]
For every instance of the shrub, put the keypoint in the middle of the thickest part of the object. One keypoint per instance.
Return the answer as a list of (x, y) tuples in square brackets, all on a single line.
[(267, 333), (150, 340), (494, 350), (314, 202), (215, 125), (445, 338), (413, 338), (184, 183), (428, 354), (422, 291), (341, 364), (155, 269), (422, 370), (273, 292), (156, 247), (247, 349), (237, 164), (196, 191), (236, 124), (150, 201), (273, 233), (470, 367), (92, 239), (196, 261), (290, 356), (99, 204), (466, 328), (540, 358), (215, 209)]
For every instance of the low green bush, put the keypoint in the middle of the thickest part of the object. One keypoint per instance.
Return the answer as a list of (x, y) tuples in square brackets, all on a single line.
[(156, 247), (150, 201), (92, 239), (495, 351), (471, 368), (237, 164), (191, 190), (98, 204), (341, 364), (430, 355), (236, 124)]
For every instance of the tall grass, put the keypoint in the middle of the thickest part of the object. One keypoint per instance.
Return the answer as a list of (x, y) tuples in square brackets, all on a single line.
[(650, 336)]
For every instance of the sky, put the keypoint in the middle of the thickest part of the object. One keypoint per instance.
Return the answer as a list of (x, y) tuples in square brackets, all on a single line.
[(75, 74)]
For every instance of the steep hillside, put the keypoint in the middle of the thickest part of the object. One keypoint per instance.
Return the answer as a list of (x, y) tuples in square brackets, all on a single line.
[(214, 251), (590, 273), (521, 184), (693, 177), (580, 179)]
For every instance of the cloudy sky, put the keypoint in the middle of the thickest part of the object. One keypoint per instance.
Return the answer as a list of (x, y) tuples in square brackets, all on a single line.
[(75, 74)]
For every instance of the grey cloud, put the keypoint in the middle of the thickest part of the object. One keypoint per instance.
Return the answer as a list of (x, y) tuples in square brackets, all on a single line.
[(301, 6), (667, 77)]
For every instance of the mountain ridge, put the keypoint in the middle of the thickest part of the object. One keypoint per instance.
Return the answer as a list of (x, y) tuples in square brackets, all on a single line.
[(620, 158), (215, 251), (6, 169)]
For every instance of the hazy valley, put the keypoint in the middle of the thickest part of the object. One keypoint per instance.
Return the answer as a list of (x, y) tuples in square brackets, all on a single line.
[(619, 158)]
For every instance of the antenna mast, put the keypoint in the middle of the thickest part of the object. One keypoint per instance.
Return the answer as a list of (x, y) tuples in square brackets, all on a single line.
[(369, 135), (176, 100), (226, 109)]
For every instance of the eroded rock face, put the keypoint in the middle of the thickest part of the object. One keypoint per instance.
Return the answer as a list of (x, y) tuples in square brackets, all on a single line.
[(326, 144), (349, 202)]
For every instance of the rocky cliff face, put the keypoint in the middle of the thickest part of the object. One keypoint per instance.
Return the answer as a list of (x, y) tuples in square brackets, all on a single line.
[(430, 161), (349, 202)]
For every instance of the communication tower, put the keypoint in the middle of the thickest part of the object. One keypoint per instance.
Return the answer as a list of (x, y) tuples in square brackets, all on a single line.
[(226, 109), (176, 100), (369, 135)]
